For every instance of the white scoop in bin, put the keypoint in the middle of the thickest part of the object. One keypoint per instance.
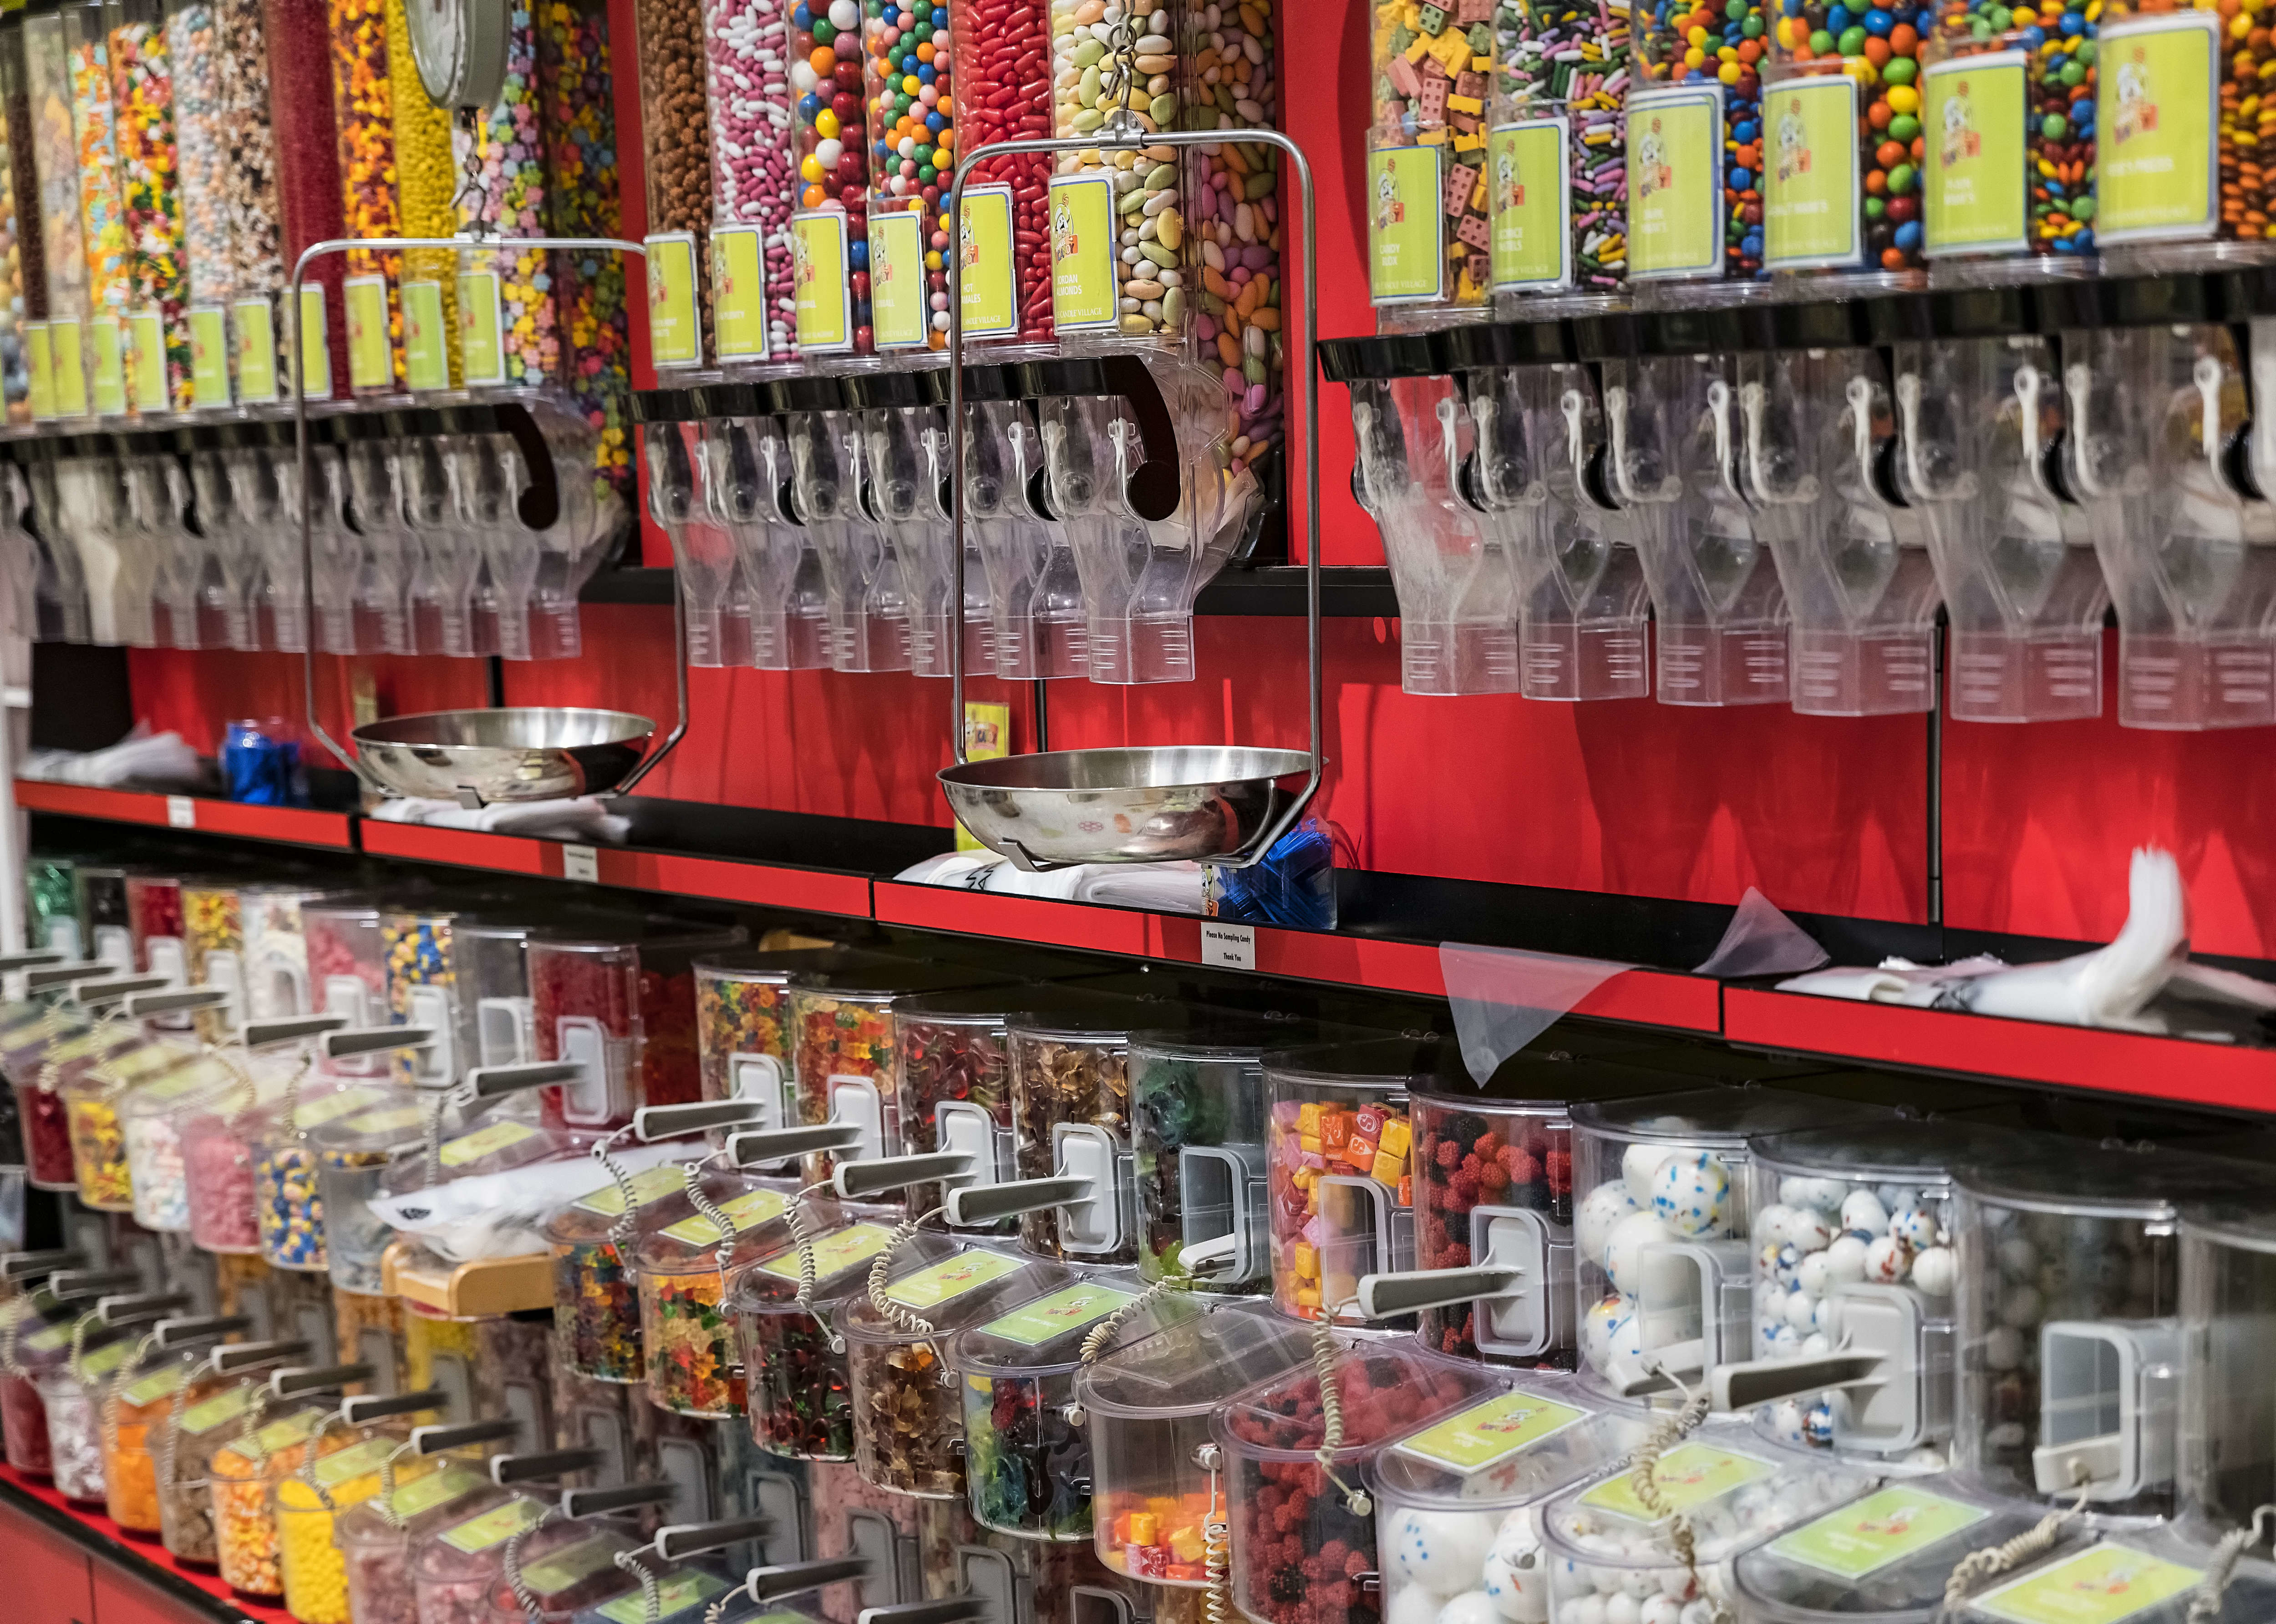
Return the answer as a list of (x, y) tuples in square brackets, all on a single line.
[(1223, 804)]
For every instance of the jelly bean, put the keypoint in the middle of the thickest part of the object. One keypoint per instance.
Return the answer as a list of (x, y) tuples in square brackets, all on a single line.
[(1232, 61), (909, 82), (142, 91), (362, 112)]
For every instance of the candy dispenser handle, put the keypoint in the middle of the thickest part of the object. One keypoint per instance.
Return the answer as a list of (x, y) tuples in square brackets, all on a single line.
[(1387, 1296), (174, 1333), (377, 1406), (766, 1584), (593, 1502), (143, 1305), (261, 1034), (651, 1123), (1757, 1382), (388, 244), (435, 1439), (682, 1540), (348, 1042), (33, 1265), (777, 1144), (12, 962), (866, 1180), (1103, 141), (508, 1469), (292, 1383)]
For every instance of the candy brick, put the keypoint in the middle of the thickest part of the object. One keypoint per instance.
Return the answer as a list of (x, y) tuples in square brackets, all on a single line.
[(1404, 79), (1475, 231), (1469, 11), (1472, 84), (1479, 266), (1465, 104), (1305, 1261), (1395, 1137), (1468, 136), (1335, 1129), (1307, 1121), (1430, 19), (1432, 137), (1431, 106), (1145, 1529), (1389, 1170), (1186, 1547), (1372, 1118), (1419, 49), (1453, 50)]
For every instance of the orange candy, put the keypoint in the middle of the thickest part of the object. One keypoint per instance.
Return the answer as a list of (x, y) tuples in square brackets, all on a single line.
[(823, 61)]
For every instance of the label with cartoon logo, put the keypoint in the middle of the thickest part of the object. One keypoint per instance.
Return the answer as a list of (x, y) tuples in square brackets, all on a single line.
[(824, 303), (675, 332), (1974, 196), (900, 315), (1867, 1536), (1048, 1318), (986, 288), (1084, 298), (1529, 175), (1406, 250), (2157, 171), (1675, 182), (738, 292), (1484, 1433), (1688, 1474), (1811, 201), (2105, 1585)]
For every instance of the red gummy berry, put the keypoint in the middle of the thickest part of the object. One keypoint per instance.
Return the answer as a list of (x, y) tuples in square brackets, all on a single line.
[(1493, 1177), (1449, 1155), (1457, 1256)]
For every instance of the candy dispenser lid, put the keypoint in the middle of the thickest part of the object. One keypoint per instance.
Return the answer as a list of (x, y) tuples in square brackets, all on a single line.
[(1545, 1432), (659, 1196), (147, 1062), (1728, 1116), (199, 1082), (454, 1492), (1045, 1333), (254, 1450), (45, 1348), (842, 1255), (364, 1120), (2245, 1231), (1883, 1557), (2145, 1183), (496, 1147), (1917, 1152), (684, 1595), (1731, 1487), (1389, 1385), (759, 1209), (968, 1285), (2136, 1575), (1191, 1367)]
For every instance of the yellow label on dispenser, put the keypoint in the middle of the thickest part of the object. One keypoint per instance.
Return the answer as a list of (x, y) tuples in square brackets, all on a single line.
[(1529, 171), (204, 1417), (435, 1489), (1084, 294), (257, 349), (1491, 1431), (824, 298), (675, 328), (2105, 1585), (1675, 183), (1973, 196), (1688, 1474), (950, 1277), (481, 329), (986, 288), (650, 1185), (426, 352), (109, 382), (209, 358), (1069, 1309), (354, 1461), (1810, 195), (675, 1595), (331, 1107), (747, 1211), (163, 1385), (70, 367), (1406, 250), (493, 1526), (315, 344), (40, 364), (104, 1359), (900, 313), (392, 1122), (833, 1254), (370, 366), (2156, 171), (738, 292), (1868, 1535), (470, 1147), (146, 346)]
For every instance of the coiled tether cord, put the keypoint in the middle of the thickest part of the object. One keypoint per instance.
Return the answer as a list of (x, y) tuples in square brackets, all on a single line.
[(2040, 1538), (527, 1599), (2204, 1605)]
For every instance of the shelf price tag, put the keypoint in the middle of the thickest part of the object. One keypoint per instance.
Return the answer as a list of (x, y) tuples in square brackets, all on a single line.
[(181, 812), (675, 328), (983, 245)]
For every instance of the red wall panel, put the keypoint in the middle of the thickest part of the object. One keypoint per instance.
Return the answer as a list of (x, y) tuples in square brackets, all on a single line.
[(194, 693)]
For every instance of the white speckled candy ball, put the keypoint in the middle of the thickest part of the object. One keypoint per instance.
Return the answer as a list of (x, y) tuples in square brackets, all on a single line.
[(1862, 1211), (1691, 1193), (1661, 1610), (1915, 1226), (1813, 1274), (1624, 1250), (2003, 1347), (1936, 1273), (1809, 1231), (1786, 1419), (1516, 1579), (1470, 1607), (1829, 1316), (1639, 1164), (1886, 1260), (1845, 1262), (1441, 1551), (1582, 1609), (1609, 1331), (1781, 1342), (1592, 1223), (1411, 1604), (1770, 1223), (1802, 1310), (1623, 1609)]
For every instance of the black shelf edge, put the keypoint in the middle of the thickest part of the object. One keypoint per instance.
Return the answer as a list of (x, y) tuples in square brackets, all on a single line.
[(1355, 592)]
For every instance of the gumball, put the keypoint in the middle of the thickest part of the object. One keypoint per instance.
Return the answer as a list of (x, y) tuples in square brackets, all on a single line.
[(1661, 1610), (1809, 1231), (2021, 1307), (1781, 1341), (1817, 1345), (2003, 1347), (1829, 1316), (1886, 1260), (1470, 1607), (1411, 1604), (1770, 1223), (1813, 1273), (1610, 1333), (1935, 1272), (1915, 1226), (1623, 1609), (1845, 1262), (1691, 1193), (1862, 1211), (1818, 1424), (1624, 1250), (1592, 1225), (2018, 1257), (1639, 1164), (1786, 1423), (1440, 1550), (1801, 1311)]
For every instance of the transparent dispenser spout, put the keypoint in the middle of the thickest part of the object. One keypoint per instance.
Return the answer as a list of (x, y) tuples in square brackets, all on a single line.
[(89, 515), (912, 442), (572, 542), (860, 571), (750, 482), (1035, 591), (2189, 559), (1853, 562), (704, 554), (441, 592), (380, 592), (1719, 612), (60, 587), (2014, 562), (225, 617), (492, 483), (280, 593)]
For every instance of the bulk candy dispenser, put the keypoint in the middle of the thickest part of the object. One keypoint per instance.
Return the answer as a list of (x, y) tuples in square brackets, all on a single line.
[(213, 923), (153, 1119), (1557, 105), (1860, 588), (1608, 1539), (831, 481), (595, 1290), (908, 1420), (376, 1539), (1671, 409), (1695, 150), (748, 481), (1429, 214), (2070, 1340), (496, 1365), (195, 1433), (1028, 1469), (625, 1010), (172, 1369), (101, 898), (93, 1102), (841, 1042), (911, 96), (278, 983), (347, 967), (1841, 145), (2177, 198), (1003, 51), (742, 1031), (1339, 1185), (797, 1391), (71, 1393), (312, 1507), (1071, 1119), (495, 1027), (420, 949), (1303, 1534), (42, 1097), (1660, 1215), (355, 1154), (1036, 626), (459, 1568), (1146, 1406), (694, 1366), (1459, 1501)]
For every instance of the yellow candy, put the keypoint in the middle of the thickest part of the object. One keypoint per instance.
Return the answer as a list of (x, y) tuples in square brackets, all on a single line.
[(1903, 99)]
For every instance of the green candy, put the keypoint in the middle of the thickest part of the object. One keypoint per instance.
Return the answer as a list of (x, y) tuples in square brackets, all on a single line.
[(1901, 181), (1820, 42), (2082, 207), (2054, 126), (1900, 70), (1853, 41), (2073, 74), (1875, 208), (1903, 127), (1752, 28)]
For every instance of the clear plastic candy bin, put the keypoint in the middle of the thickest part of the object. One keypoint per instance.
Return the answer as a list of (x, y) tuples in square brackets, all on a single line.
[(1028, 1469), (625, 1010), (309, 1503), (93, 1102), (153, 1118), (1882, 1559), (908, 1420), (797, 1391), (347, 967), (2140, 1576), (376, 1547), (46, 1069), (1197, 1149), (596, 1288), (741, 1038), (458, 1569), (2071, 1340), (1668, 1174), (686, 1338), (1459, 1502), (1300, 1549), (1602, 1540), (278, 983), (1147, 1407), (72, 1391), (1339, 1196), (357, 1154)]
